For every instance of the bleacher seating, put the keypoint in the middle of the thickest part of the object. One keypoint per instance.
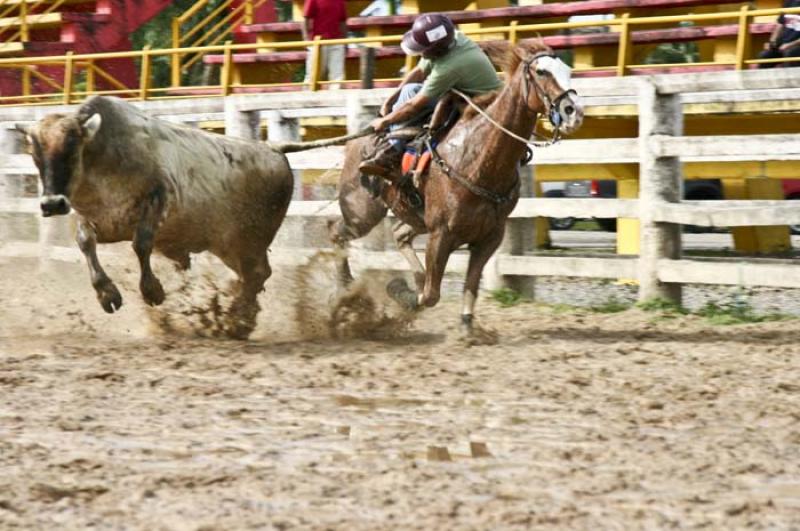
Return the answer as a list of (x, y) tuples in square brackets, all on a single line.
[(593, 51)]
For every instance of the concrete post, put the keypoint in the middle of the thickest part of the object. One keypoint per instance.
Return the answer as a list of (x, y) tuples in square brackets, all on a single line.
[(660, 180), (282, 129), (240, 124), (518, 239)]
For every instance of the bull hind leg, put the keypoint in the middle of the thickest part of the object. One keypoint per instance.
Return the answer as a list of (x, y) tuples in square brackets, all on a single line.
[(107, 293), (254, 270), (346, 229), (152, 210)]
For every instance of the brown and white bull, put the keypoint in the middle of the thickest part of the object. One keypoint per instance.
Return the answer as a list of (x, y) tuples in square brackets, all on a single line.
[(175, 189)]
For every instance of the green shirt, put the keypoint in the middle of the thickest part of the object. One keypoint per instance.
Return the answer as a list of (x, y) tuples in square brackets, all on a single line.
[(464, 67)]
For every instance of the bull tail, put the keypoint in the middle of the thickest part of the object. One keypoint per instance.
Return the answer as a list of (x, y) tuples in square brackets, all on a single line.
[(292, 147)]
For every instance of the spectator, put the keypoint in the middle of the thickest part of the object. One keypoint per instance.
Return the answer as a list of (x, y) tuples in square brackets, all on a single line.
[(785, 39), (326, 19)]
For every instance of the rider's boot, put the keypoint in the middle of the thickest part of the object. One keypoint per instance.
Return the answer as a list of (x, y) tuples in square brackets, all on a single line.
[(385, 162)]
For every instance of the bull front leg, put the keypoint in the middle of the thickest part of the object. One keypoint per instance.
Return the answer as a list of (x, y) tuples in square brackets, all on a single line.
[(152, 210), (107, 292)]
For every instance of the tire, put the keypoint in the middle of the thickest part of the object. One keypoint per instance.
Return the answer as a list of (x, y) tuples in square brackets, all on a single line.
[(559, 223), (607, 224)]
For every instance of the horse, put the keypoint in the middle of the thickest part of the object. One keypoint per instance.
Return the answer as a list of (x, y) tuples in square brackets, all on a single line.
[(472, 186)]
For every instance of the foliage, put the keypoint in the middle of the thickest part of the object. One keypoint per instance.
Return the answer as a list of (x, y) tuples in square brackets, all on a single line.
[(612, 305), (676, 52), (658, 304), (158, 34), (506, 297), (735, 311)]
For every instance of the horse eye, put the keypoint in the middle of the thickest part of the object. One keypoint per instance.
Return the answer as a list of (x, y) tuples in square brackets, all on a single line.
[(540, 72)]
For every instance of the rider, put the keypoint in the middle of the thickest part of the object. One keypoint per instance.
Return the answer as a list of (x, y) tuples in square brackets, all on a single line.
[(449, 60)]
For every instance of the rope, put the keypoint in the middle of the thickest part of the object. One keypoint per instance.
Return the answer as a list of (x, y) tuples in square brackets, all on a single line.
[(526, 141)]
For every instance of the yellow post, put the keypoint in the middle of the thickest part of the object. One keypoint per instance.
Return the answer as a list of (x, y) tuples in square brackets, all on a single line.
[(627, 228), (541, 224), (512, 33), (144, 79), (409, 63), (316, 53), (743, 40), (625, 52), (67, 78), (175, 59), (758, 240), (23, 16), (26, 80), (90, 76), (227, 68), (248, 11)]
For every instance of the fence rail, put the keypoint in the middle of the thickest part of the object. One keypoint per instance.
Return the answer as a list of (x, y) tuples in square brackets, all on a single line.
[(659, 268)]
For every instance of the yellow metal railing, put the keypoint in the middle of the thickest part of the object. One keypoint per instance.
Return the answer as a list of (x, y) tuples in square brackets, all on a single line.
[(27, 14), (211, 29), (226, 85)]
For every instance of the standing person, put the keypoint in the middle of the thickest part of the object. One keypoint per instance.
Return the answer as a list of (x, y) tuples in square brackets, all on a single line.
[(449, 60), (328, 20), (785, 39)]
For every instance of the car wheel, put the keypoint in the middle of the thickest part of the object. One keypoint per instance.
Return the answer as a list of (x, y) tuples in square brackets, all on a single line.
[(607, 224), (561, 223)]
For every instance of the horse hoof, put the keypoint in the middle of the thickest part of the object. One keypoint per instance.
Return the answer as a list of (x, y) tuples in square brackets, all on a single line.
[(399, 291), (109, 297), (152, 292), (466, 325)]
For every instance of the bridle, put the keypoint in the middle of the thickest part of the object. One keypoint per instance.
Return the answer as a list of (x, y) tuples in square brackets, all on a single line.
[(551, 106)]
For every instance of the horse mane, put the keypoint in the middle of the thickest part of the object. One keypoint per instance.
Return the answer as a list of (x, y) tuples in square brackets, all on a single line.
[(508, 57)]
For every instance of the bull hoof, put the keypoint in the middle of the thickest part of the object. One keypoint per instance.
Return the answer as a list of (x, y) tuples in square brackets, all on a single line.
[(399, 291), (152, 292), (109, 297)]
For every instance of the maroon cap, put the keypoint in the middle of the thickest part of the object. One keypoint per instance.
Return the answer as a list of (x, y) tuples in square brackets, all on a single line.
[(431, 32)]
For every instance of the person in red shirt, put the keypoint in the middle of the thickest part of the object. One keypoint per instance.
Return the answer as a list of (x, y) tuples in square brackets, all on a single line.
[(326, 19)]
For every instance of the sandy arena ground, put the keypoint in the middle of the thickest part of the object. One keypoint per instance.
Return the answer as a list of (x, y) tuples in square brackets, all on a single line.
[(594, 421)]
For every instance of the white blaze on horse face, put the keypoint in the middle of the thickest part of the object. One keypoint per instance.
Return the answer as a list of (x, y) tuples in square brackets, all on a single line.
[(558, 69)]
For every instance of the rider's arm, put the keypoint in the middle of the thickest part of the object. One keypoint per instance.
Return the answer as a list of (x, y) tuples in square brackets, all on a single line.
[(415, 75), (408, 110)]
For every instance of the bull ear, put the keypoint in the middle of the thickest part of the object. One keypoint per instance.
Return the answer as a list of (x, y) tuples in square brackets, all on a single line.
[(91, 126)]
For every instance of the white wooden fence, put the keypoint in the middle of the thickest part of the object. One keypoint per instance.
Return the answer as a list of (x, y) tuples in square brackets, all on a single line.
[(659, 150)]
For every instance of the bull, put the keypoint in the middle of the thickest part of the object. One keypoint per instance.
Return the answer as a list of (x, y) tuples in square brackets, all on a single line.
[(165, 187)]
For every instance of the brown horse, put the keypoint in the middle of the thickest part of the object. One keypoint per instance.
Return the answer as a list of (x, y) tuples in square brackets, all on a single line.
[(471, 190)]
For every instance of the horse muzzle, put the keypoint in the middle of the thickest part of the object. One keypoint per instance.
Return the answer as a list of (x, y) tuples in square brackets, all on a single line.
[(54, 205), (569, 111)]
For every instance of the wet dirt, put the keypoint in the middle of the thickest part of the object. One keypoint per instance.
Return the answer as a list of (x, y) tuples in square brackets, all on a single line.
[(566, 420)]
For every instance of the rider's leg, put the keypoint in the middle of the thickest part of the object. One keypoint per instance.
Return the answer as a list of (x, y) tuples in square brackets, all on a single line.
[(388, 155)]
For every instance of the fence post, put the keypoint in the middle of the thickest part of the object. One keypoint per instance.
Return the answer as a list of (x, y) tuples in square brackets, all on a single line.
[(367, 67), (660, 180), (282, 129), (316, 65), (625, 52), (68, 68), (240, 124), (518, 238), (227, 69)]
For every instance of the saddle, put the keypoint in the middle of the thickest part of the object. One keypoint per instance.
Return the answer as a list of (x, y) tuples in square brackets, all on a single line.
[(419, 141)]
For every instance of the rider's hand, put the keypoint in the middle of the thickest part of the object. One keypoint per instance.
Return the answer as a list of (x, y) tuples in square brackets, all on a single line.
[(379, 124)]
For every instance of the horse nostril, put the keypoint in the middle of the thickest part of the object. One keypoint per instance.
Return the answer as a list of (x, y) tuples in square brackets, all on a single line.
[(569, 109)]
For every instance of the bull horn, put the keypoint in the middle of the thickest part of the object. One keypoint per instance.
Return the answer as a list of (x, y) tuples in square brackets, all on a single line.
[(91, 126)]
